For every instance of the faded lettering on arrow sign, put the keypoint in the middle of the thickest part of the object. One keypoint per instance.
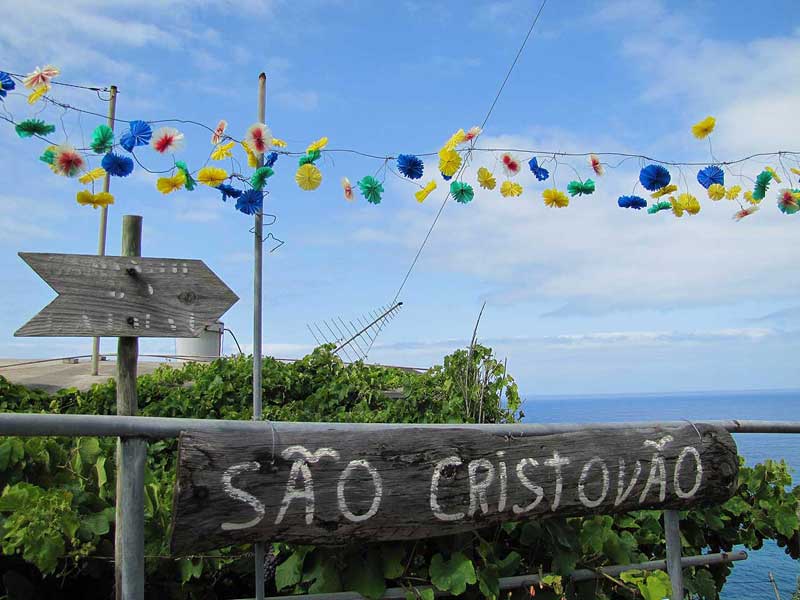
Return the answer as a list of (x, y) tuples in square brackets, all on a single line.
[(421, 482)]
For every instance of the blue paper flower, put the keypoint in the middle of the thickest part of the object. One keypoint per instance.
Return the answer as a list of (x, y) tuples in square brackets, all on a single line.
[(139, 135), (410, 166), (116, 165), (270, 159), (710, 175), (540, 172), (636, 202), (446, 177), (228, 191), (6, 83), (250, 202), (654, 177)]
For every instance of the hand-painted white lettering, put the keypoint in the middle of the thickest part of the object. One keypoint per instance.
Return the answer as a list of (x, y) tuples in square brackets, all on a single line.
[(658, 469), (377, 495), (582, 483), (622, 491), (557, 462), (501, 503), (438, 468), (300, 470), (698, 473), (241, 495), (523, 479), (477, 489)]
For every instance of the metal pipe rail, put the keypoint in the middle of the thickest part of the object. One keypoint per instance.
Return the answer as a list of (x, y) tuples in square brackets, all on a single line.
[(31, 424)]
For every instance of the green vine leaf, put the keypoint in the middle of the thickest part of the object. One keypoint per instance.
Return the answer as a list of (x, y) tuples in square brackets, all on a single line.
[(290, 571), (452, 575), (366, 576)]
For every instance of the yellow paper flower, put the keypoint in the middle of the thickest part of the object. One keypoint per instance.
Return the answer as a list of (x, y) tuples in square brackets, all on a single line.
[(276, 143), (554, 198), (773, 173), (703, 128), (103, 199), (38, 93), (732, 193), (459, 137), (748, 195), (318, 145), (449, 161), (252, 161), (223, 151), (212, 176), (716, 191), (486, 179), (679, 205), (425, 192), (87, 198), (92, 175), (167, 185), (510, 189), (690, 203), (795, 170), (308, 177), (664, 191)]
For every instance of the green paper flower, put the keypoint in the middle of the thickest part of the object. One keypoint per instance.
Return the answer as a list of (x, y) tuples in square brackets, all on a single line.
[(371, 188), (659, 206), (462, 192), (190, 182), (309, 157), (260, 177), (48, 156), (102, 139), (579, 188), (762, 183), (31, 127)]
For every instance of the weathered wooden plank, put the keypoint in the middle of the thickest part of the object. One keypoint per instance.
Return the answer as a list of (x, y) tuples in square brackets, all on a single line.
[(117, 296), (412, 483)]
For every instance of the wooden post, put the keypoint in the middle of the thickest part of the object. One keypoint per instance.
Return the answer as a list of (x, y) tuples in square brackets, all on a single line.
[(258, 255), (774, 586), (101, 239), (131, 453), (672, 534)]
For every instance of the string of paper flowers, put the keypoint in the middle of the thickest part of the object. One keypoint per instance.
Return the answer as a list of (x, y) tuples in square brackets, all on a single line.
[(262, 150)]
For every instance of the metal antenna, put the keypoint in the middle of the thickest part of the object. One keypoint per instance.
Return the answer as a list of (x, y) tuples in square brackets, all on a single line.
[(355, 340)]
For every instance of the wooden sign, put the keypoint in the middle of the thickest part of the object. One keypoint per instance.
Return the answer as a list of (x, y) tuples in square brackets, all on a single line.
[(120, 296), (334, 487)]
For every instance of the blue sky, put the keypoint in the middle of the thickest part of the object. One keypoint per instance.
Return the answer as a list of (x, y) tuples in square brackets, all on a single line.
[(588, 299)]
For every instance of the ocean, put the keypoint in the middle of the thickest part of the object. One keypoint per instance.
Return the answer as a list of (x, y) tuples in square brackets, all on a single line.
[(749, 579)]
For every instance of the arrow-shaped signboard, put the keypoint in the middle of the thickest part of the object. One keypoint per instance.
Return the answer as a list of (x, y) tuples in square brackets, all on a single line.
[(119, 296)]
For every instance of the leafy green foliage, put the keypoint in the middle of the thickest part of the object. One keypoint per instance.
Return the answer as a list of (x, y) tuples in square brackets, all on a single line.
[(57, 502)]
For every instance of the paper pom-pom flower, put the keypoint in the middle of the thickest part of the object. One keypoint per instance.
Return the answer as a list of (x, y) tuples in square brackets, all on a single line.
[(258, 138), (219, 132), (732, 193), (228, 191), (276, 143), (31, 127), (347, 188), (789, 201), (659, 206), (745, 212), (190, 182), (139, 134), (597, 166), (87, 198), (371, 189), (762, 184), (654, 177), (690, 203), (410, 166), (462, 192), (716, 191), (252, 159), (540, 172), (486, 179), (775, 177), (67, 161), (117, 165), (92, 175), (260, 177), (446, 177), (703, 128), (511, 164), (664, 191), (449, 161), (748, 195), (167, 185), (250, 202), (49, 155), (472, 133), (318, 145), (309, 158), (580, 188), (166, 139), (425, 192), (308, 177), (711, 175), (102, 139), (457, 138), (270, 159), (795, 170), (212, 176), (555, 198), (636, 202), (678, 206), (37, 94), (39, 78), (6, 84), (510, 189), (222, 151)]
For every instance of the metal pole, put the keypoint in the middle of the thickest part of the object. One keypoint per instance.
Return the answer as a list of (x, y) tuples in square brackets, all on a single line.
[(774, 586), (672, 533), (258, 256), (131, 453), (101, 238)]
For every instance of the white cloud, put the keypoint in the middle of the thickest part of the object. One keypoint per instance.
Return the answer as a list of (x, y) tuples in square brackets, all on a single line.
[(298, 100)]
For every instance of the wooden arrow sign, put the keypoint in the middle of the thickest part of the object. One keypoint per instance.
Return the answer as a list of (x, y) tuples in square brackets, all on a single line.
[(118, 296)]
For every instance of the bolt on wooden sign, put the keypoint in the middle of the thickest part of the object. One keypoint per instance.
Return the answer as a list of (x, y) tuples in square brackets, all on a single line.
[(334, 487), (120, 296)]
